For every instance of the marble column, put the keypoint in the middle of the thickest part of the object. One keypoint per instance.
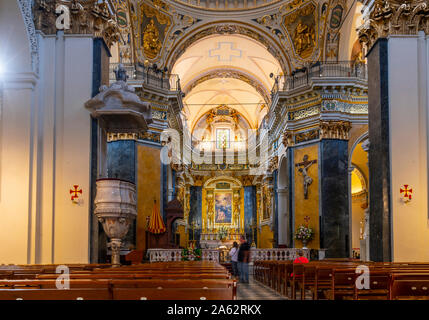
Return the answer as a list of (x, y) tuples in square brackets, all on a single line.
[(398, 61), (121, 160), (334, 203), (283, 216), (379, 154), (350, 171), (365, 242)]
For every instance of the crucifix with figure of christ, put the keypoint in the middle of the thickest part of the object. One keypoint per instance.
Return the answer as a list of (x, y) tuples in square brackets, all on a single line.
[(307, 180)]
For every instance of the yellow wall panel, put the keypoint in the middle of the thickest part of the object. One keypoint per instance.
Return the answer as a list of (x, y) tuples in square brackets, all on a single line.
[(148, 188), (265, 237), (307, 207)]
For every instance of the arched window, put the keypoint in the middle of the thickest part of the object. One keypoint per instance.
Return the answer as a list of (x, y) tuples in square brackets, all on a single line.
[(222, 138)]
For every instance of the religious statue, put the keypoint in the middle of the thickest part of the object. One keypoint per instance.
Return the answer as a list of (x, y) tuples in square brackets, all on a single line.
[(180, 195), (307, 180), (236, 208), (120, 73), (210, 212), (186, 206), (366, 227), (303, 38), (151, 42), (267, 202)]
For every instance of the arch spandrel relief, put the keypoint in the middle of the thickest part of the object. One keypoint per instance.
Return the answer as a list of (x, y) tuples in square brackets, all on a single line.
[(169, 29)]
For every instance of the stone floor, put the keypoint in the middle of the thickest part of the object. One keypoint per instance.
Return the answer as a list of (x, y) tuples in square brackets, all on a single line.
[(256, 291)]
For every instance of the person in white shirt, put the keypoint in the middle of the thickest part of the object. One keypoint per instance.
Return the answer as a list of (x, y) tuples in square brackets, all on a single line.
[(233, 253)]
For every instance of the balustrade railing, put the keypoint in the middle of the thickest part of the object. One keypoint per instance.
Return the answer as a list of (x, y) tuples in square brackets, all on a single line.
[(227, 4), (256, 254), (164, 255), (149, 76), (282, 254), (305, 76), (158, 255)]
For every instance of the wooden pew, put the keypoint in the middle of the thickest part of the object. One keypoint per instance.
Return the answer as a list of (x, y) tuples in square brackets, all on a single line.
[(174, 290), (47, 290), (138, 276), (171, 281), (55, 294), (409, 286), (378, 286)]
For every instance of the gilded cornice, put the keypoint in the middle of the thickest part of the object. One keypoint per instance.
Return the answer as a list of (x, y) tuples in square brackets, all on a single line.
[(86, 17), (225, 5), (325, 130), (394, 17)]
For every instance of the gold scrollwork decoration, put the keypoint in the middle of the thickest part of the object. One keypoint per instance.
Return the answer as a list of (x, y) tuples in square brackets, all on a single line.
[(151, 42), (302, 28)]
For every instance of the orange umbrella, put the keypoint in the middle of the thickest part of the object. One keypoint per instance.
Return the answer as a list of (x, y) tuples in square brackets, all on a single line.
[(156, 224)]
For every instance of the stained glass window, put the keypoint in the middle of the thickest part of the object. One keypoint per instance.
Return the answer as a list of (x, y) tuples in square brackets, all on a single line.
[(222, 138)]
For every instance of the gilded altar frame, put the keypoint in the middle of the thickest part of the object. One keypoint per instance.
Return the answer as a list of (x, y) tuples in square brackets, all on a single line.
[(236, 193)]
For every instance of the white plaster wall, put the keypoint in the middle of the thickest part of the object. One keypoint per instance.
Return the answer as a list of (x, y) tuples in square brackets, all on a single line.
[(408, 141), (73, 153), (44, 145), (47, 161), (14, 47), (15, 136)]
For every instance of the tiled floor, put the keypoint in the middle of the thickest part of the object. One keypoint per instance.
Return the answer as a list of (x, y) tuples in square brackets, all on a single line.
[(256, 291)]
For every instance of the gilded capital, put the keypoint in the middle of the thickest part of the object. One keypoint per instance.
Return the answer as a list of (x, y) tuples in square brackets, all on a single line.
[(394, 17), (335, 130), (85, 16), (273, 164), (287, 138)]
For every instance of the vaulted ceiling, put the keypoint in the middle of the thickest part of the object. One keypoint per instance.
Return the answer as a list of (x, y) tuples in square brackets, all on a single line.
[(226, 69)]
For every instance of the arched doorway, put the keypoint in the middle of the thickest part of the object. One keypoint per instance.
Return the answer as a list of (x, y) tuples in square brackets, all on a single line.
[(358, 195)]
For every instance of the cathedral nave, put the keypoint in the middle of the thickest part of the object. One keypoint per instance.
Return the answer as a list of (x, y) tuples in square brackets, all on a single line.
[(261, 149)]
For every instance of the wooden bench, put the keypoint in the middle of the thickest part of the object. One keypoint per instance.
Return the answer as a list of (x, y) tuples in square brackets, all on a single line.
[(170, 281), (174, 290), (409, 286)]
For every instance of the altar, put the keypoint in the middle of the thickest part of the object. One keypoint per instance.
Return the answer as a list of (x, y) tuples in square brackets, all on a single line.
[(222, 213), (212, 240)]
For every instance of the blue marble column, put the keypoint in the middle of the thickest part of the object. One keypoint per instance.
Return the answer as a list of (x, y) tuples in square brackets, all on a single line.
[(164, 186), (195, 212), (250, 212), (121, 160), (379, 153), (173, 177), (121, 164), (95, 228), (100, 76), (334, 203), (291, 204), (275, 210)]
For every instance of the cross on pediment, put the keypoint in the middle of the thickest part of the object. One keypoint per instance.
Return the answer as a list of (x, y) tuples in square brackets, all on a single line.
[(225, 51)]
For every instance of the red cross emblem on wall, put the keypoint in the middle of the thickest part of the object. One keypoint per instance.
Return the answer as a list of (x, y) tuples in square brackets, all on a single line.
[(74, 192), (407, 192)]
